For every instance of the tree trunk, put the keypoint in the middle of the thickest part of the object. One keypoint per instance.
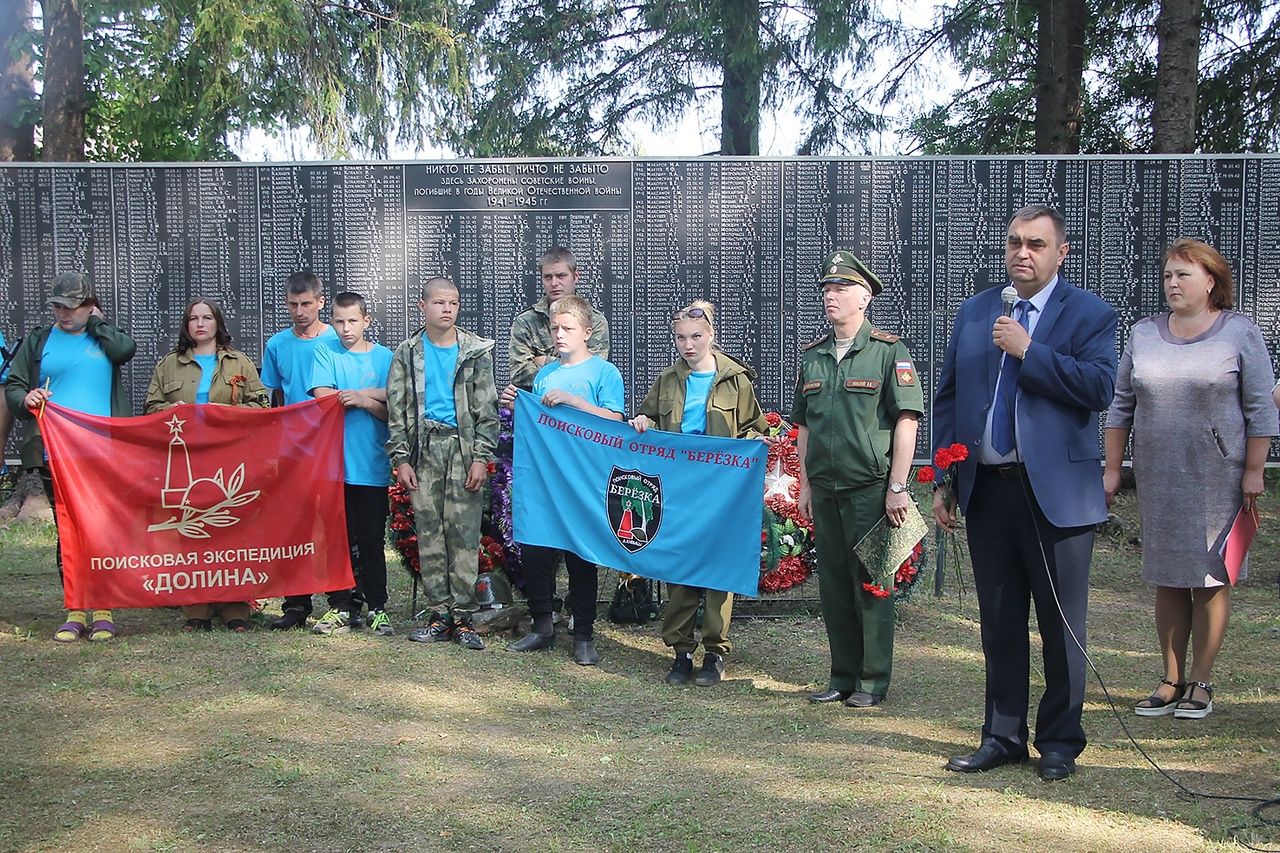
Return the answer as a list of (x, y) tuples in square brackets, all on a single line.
[(743, 72), (1173, 120), (17, 82), (64, 96), (1059, 69)]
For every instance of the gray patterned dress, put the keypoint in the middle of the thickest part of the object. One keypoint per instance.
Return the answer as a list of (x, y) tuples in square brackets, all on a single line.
[(1191, 404)]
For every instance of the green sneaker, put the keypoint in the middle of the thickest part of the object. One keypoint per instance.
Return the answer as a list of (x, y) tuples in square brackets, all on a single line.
[(380, 623), (333, 622)]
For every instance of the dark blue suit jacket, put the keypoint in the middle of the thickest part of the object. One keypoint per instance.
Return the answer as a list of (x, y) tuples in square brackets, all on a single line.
[(1067, 377)]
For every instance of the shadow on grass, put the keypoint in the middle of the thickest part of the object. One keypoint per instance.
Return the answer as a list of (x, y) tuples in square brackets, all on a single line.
[(171, 741)]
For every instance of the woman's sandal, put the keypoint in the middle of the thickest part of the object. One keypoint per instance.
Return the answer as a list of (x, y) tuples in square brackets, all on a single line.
[(1157, 707), (1194, 709), (239, 626), (71, 630), (193, 625), (101, 630)]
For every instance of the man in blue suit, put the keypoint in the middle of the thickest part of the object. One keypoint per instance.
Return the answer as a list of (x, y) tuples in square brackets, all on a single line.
[(1023, 393)]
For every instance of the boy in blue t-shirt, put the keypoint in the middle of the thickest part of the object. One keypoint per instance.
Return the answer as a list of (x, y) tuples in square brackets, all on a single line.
[(443, 416), (587, 382), (357, 373), (287, 363)]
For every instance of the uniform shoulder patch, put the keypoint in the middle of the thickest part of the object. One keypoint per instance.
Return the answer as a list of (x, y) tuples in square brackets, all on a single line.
[(813, 343), (887, 337), (905, 370)]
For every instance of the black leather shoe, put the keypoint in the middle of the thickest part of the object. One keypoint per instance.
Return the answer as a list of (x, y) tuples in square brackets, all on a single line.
[(822, 697), (712, 670), (584, 653), (1054, 766), (860, 699), (290, 619), (987, 757), (532, 642), (681, 670)]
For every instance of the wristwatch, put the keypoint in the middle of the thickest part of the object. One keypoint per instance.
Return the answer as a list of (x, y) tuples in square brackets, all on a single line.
[(897, 488)]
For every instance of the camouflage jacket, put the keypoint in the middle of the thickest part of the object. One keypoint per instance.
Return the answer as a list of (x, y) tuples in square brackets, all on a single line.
[(732, 409), (475, 399), (531, 337)]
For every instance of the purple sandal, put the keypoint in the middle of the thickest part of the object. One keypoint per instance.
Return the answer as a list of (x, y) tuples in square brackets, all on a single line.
[(76, 630), (101, 631)]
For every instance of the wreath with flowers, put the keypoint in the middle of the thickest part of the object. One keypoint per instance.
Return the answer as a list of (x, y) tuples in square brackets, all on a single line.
[(908, 575), (787, 553)]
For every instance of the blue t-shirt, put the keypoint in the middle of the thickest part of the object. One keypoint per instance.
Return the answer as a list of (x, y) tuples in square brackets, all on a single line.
[(208, 367), (78, 371), (439, 364), (364, 436), (288, 360), (4, 374), (595, 380), (696, 389)]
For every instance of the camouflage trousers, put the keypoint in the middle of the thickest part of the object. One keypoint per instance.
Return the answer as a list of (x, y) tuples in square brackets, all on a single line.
[(446, 518)]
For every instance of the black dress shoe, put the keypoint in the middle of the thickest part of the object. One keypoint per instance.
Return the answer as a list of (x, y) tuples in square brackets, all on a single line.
[(1054, 766), (532, 642), (822, 697), (988, 756), (291, 619), (860, 699), (584, 653)]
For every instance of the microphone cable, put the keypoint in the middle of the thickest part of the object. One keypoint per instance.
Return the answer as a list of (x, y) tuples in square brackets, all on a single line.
[(1261, 804)]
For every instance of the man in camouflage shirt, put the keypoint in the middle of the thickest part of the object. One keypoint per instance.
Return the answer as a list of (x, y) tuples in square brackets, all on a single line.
[(442, 413), (531, 346)]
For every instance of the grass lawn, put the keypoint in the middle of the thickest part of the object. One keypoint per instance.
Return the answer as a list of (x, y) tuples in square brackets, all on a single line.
[(163, 741)]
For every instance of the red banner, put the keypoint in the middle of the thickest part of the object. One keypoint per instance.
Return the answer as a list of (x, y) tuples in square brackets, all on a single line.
[(199, 504)]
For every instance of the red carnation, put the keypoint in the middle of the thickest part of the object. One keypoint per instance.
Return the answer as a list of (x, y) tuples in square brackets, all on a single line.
[(959, 452), (773, 419), (943, 458), (925, 474), (492, 467), (878, 592)]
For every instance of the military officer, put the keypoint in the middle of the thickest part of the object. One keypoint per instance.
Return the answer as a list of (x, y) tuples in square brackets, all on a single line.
[(857, 402)]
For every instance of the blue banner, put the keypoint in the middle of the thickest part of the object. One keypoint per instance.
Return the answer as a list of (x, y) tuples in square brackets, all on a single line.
[(680, 508)]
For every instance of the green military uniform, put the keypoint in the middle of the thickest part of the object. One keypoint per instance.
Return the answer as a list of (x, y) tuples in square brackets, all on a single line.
[(850, 408)]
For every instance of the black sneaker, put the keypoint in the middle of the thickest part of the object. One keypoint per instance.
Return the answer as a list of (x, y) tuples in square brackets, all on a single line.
[(465, 633), (682, 670), (290, 619), (439, 629), (712, 670)]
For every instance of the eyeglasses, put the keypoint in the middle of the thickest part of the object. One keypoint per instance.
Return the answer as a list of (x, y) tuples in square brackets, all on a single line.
[(689, 313)]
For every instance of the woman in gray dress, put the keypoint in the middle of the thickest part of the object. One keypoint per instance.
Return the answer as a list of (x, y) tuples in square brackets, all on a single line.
[(1194, 388)]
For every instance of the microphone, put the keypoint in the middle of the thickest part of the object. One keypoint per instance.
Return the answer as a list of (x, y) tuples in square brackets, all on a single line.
[(1008, 298)]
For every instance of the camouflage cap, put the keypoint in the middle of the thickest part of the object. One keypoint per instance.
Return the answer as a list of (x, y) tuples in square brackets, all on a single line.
[(71, 290), (843, 267)]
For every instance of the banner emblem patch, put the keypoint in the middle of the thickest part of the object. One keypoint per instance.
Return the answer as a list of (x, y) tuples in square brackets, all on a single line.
[(635, 507)]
